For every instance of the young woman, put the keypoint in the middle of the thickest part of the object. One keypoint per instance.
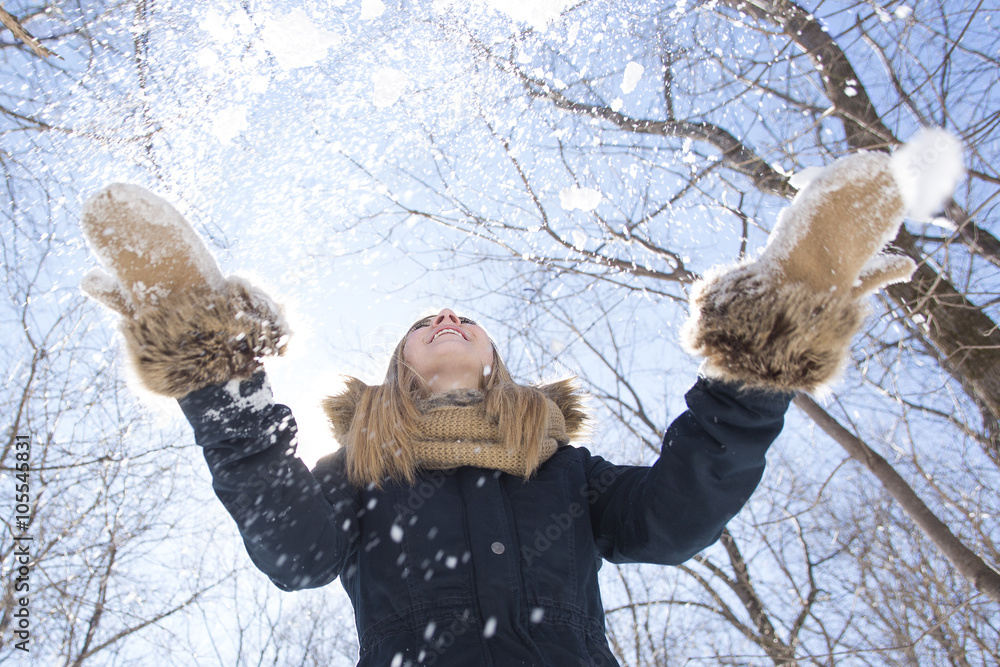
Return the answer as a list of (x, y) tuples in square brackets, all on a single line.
[(462, 522), (464, 527)]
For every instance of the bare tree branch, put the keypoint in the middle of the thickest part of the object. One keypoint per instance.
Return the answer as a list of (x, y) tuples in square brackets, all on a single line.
[(980, 574), (20, 33)]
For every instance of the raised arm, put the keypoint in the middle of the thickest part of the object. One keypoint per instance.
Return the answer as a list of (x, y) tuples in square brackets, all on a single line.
[(767, 328), (195, 335), (711, 460), (299, 529)]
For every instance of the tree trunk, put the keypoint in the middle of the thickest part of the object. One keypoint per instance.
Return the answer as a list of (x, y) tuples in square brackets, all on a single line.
[(966, 338), (979, 573)]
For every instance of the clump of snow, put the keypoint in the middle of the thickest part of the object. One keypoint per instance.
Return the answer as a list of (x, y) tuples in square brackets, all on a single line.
[(680, 9), (207, 59), (387, 85), (801, 179), (258, 84), (927, 169), (633, 72), (371, 9), (295, 41), (215, 25), (584, 199), (943, 223), (258, 401), (229, 122), (224, 28)]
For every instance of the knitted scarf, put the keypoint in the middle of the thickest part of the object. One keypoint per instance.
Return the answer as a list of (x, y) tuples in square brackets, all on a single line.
[(455, 431)]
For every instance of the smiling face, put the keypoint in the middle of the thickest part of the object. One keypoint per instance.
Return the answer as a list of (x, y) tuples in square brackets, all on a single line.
[(448, 351)]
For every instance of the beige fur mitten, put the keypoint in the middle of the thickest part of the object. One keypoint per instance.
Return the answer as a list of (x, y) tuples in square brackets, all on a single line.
[(785, 320), (185, 325)]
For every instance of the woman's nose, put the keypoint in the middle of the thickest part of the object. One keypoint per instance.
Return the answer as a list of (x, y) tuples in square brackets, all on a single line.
[(445, 316)]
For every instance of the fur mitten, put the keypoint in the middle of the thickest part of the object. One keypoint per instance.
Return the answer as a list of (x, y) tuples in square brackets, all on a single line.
[(785, 320), (185, 325)]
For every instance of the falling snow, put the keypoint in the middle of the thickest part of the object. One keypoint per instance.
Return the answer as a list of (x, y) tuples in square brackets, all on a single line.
[(295, 41), (633, 73), (583, 199), (371, 9), (536, 13), (315, 142), (387, 86), (229, 122)]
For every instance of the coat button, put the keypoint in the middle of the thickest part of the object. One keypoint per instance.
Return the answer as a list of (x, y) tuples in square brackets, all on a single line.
[(497, 548)]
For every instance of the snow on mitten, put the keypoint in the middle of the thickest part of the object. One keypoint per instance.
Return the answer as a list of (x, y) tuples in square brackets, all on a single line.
[(185, 325), (785, 320)]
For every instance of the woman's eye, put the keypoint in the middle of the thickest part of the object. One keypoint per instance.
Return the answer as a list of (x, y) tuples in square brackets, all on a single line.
[(466, 320)]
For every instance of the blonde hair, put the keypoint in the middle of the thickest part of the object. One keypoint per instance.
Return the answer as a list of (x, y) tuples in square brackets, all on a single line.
[(385, 419)]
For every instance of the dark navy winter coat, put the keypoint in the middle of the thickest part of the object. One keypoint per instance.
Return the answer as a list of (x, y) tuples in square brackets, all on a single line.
[(473, 567)]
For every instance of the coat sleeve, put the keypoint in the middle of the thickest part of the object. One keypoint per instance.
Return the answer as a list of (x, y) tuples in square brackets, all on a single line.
[(299, 528), (711, 460)]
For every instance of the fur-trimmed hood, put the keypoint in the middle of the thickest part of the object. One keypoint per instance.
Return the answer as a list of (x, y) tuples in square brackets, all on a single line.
[(565, 393)]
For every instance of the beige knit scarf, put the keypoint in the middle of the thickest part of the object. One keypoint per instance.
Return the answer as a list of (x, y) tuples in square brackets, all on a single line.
[(455, 431)]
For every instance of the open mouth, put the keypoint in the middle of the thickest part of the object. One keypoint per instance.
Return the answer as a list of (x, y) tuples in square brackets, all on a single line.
[(447, 330)]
